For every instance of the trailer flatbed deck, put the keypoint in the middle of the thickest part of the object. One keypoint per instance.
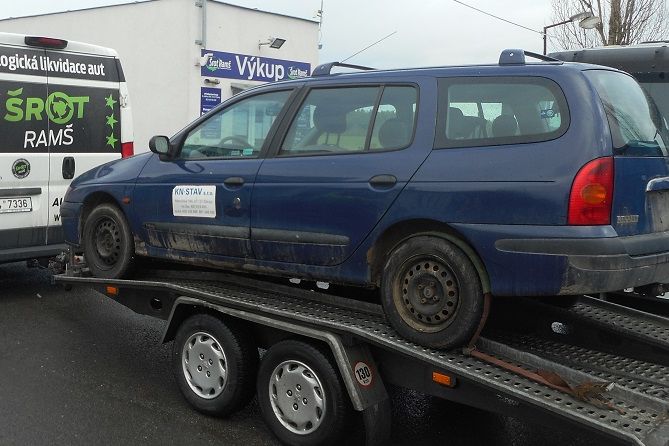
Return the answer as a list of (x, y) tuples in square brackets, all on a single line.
[(615, 360)]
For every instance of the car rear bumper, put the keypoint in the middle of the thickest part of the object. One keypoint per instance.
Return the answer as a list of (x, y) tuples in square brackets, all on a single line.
[(594, 265), (636, 245)]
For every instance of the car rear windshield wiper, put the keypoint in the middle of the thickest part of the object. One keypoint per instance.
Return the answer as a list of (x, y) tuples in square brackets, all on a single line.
[(635, 147)]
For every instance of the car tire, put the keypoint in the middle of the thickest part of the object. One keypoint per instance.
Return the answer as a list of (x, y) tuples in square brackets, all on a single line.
[(431, 293), (214, 364), (296, 382), (108, 242)]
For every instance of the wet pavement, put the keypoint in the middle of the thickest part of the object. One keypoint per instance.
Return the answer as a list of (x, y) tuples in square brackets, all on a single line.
[(77, 368)]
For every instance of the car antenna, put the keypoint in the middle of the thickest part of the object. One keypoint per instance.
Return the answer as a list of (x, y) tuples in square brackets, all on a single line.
[(368, 47)]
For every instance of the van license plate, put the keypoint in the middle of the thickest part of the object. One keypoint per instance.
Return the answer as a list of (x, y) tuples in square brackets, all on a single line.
[(18, 204)]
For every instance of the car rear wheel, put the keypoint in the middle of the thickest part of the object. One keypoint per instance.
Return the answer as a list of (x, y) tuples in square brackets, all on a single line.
[(431, 293), (108, 243)]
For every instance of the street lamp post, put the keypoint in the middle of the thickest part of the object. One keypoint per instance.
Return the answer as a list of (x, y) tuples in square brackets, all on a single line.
[(585, 20)]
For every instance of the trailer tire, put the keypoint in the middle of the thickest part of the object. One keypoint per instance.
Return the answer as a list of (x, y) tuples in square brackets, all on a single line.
[(431, 293), (108, 242), (297, 374), (214, 364)]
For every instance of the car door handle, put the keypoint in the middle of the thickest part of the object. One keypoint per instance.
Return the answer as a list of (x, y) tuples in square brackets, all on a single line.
[(383, 181), (69, 166), (234, 182)]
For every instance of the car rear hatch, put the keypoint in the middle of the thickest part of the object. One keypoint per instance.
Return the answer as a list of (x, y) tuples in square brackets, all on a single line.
[(640, 156)]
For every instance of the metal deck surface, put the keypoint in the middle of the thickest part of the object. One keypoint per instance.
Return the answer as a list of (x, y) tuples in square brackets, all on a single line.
[(641, 388), (639, 376), (639, 324)]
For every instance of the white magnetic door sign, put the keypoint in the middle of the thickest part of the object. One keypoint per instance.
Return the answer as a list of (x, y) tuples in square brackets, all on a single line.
[(194, 201)]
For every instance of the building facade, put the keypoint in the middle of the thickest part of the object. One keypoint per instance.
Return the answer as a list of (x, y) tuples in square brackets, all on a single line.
[(182, 57)]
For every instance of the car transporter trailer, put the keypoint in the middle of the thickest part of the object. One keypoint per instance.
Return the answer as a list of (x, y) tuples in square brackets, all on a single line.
[(582, 363)]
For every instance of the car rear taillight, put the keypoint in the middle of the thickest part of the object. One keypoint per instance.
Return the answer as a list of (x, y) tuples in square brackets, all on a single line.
[(127, 149), (592, 194), (46, 42)]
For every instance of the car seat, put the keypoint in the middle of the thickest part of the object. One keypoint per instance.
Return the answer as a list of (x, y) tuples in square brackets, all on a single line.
[(460, 126), (504, 125), (393, 134), (455, 124)]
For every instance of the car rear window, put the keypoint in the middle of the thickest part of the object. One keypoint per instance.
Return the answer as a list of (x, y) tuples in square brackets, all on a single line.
[(637, 127), (484, 111)]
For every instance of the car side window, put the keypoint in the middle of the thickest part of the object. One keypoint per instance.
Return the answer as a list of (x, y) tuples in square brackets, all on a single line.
[(395, 119), (495, 111), (235, 131), (338, 120)]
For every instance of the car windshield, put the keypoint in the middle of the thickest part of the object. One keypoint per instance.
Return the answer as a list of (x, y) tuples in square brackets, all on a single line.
[(637, 126)]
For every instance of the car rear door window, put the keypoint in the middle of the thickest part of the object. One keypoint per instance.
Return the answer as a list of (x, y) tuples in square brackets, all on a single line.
[(488, 111), (235, 131), (394, 123), (637, 127), (352, 119)]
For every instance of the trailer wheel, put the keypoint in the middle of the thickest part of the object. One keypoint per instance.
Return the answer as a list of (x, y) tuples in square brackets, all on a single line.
[(301, 395), (215, 364), (108, 243), (431, 293)]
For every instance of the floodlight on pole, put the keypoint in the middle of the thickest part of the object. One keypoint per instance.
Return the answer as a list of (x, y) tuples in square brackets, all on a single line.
[(585, 19), (273, 42), (590, 22)]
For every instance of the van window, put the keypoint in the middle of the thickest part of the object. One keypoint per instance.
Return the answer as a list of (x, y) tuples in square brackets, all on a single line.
[(657, 86), (637, 127), (499, 110), (338, 120)]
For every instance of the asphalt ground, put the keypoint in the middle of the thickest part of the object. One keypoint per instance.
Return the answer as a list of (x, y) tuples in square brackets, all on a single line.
[(78, 369)]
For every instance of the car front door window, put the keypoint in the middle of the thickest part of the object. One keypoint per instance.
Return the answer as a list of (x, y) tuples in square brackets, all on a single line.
[(237, 131)]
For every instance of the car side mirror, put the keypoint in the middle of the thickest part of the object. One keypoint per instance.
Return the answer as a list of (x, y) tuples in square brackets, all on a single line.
[(161, 145)]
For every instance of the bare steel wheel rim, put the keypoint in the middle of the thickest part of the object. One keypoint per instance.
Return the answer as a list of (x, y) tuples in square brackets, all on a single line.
[(427, 293), (204, 365), (107, 238), (297, 397)]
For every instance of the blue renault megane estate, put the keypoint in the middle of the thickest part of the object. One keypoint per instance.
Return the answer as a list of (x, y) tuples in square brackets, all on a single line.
[(436, 185)]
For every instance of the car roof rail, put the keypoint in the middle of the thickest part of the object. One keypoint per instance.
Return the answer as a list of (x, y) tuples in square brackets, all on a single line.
[(517, 57), (324, 69)]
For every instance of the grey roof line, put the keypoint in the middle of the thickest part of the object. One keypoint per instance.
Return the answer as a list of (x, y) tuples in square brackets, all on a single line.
[(149, 1)]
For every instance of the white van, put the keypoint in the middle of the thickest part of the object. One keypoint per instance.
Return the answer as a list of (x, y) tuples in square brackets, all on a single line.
[(64, 109)]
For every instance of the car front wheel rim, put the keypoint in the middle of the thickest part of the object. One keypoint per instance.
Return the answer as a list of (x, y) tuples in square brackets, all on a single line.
[(107, 241)]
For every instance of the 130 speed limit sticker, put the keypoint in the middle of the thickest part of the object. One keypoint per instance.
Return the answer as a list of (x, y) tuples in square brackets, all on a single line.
[(363, 373)]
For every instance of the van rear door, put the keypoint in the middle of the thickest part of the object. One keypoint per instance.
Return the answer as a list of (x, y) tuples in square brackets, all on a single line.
[(83, 107), (24, 169), (640, 148)]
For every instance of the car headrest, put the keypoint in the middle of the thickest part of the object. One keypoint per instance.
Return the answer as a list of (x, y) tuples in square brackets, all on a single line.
[(329, 120), (455, 123), (504, 125), (394, 133)]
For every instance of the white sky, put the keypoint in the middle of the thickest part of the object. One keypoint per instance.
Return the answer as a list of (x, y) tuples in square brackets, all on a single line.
[(429, 32)]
